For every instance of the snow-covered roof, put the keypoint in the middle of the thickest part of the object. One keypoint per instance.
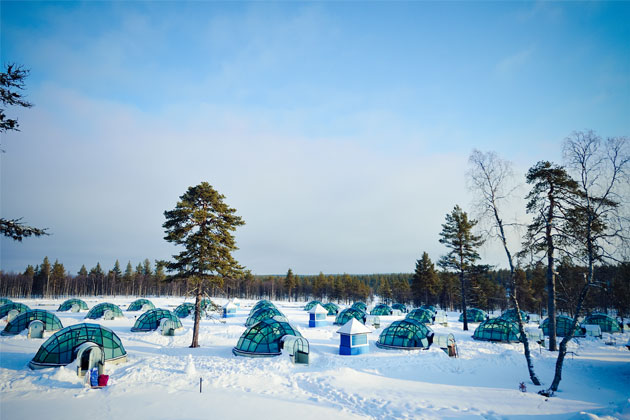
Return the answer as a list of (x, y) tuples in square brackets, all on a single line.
[(354, 326), (229, 305), (318, 309)]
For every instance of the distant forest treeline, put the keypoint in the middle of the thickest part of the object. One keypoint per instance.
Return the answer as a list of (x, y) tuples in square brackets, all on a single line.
[(485, 290)]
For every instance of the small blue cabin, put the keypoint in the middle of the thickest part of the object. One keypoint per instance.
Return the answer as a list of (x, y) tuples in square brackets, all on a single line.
[(353, 338), (229, 310), (317, 316)]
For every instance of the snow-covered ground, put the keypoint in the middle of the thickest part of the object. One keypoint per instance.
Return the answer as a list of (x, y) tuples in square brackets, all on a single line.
[(160, 379)]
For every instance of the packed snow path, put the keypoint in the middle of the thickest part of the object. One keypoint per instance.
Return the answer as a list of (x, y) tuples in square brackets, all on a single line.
[(160, 380)]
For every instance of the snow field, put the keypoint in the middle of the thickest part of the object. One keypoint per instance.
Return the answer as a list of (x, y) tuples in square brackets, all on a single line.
[(160, 380)]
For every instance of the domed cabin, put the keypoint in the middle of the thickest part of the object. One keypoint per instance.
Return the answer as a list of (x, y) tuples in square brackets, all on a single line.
[(262, 304), (317, 316), (140, 305), (187, 309), (106, 311), (4, 301), (262, 314), (431, 308), (360, 306), (207, 304), (474, 315), (312, 303), (332, 308), (36, 321), (406, 334), (563, 327), (16, 307), (345, 315), (510, 315), (264, 339), (423, 316), (497, 329), (92, 344), (381, 310), (152, 319), (73, 305), (606, 323), (400, 307)]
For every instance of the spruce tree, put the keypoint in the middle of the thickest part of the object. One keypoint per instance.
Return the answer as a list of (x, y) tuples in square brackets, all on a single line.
[(289, 283), (202, 223), (425, 282), (457, 236)]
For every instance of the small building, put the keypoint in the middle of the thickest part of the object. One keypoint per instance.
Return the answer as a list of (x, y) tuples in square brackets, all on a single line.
[(345, 315), (360, 306), (151, 320), (6, 308), (140, 305), (563, 327), (261, 314), (264, 339), (317, 316), (237, 302), (400, 307), (511, 315), (311, 304), (424, 316), (406, 334), (105, 310), (186, 309), (353, 338), (474, 315), (73, 305), (25, 319), (228, 310), (381, 310), (498, 329), (333, 308), (606, 323)]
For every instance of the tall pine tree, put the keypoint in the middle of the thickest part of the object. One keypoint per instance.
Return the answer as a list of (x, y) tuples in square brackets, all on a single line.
[(425, 282)]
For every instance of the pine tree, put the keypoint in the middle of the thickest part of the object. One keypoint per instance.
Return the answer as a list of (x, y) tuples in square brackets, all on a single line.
[(57, 277), (203, 224), (425, 282), (289, 283), (458, 237)]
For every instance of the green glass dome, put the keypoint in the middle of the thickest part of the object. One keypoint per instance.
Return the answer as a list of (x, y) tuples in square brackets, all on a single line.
[(22, 321), (430, 308), (423, 316), (360, 306), (606, 323), (261, 314), (563, 326), (4, 301), (205, 302), (474, 315), (497, 329), (332, 308), (381, 310), (261, 304), (345, 316), (99, 310), (67, 305), (510, 315), (138, 304), (406, 334), (150, 320), (59, 349), (400, 307), (264, 339), (312, 303), (5, 309), (187, 309)]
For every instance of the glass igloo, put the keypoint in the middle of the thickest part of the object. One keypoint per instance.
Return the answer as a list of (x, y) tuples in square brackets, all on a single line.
[(22, 321), (5, 309), (312, 303), (187, 309), (264, 339), (67, 305), (261, 304), (423, 316), (99, 310), (332, 308), (381, 310), (563, 327), (360, 306), (432, 308), (4, 301), (497, 329), (138, 304), (474, 315), (261, 314), (345, 316), (606, 323), (406, 334), (150, 320), (510, 315), (60, 348), (400, 307)]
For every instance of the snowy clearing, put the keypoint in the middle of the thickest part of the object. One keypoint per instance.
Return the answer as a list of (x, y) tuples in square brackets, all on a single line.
[(160, 379)]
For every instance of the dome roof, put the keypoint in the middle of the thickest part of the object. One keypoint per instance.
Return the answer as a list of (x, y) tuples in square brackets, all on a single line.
[(497, 329), (23, 320), (137, 304), (381, 309), (310, 305), (510, 315), (563, 326), (5, 309), (150, 320), (264, 339), (606, 323), (473, 315), (262, 313), (423, 316), (360, 306), (345, 315), (99, 310), (406, 334), (67, 305)]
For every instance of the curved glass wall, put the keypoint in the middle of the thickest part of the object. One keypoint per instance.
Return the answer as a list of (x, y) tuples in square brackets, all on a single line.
[(312, 303), (510, 315), (67, 305), (22, 321), (187, 309), (406, 334), (59, 349), (264, 339), (20, 307), (99, 310), (261, 314), (381, 310), (150, 320), (360, 306), (430, 308), (400, 307), (563, 327), (138, 304), (4, 301), (497, 329), (349, 313), (606, 323), (474, 315), (423, 316), (332, 308)]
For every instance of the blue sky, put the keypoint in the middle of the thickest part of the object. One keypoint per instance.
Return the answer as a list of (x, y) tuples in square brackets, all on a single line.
[(340, 131)]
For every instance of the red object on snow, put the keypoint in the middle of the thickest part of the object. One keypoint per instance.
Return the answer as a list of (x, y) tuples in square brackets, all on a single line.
[(102, 380)]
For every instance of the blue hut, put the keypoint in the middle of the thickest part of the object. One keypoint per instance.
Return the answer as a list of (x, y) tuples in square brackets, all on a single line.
[(353, 338), (317, 316), (229, 310)]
